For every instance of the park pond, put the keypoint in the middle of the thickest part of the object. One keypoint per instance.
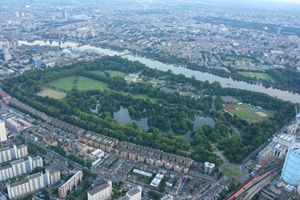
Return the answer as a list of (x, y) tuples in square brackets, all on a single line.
[(123, 117)]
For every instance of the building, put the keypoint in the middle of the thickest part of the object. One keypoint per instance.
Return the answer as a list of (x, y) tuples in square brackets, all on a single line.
[(20, 167), (298, 189), (3, 134), (133, 194), (209, 167), (8, 154), (153, 157), (7, 56), (2, 196), (167, 197), (28, 185), (266, 155), (99, 141), (70, 184), (102, 192), (291, 168)]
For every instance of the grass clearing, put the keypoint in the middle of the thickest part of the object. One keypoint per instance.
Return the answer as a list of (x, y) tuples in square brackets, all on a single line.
[(232, 172), (114, 73), (52, 94), (257, 75), (144, 97), (79, 82)]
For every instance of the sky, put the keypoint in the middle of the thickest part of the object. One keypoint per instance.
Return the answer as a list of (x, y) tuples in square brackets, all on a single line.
[(281, 1)]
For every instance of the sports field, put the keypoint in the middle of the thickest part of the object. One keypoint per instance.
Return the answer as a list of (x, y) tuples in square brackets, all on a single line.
[(257, 75), (250, 113), (77, 82), (52, 94)]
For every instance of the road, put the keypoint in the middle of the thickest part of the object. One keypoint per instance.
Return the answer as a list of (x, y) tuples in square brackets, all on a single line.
[(213, 189)]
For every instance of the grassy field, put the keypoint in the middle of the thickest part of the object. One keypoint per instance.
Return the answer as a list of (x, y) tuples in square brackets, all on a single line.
[(78, 82), (112, 73), (232, 172), (144, 97), (98, 73), (52, 94), (257, 75)]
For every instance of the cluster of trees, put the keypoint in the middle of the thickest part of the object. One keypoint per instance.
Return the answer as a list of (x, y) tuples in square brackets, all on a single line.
[(169, 111)]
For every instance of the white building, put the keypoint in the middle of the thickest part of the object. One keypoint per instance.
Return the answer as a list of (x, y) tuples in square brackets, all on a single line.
[(30, 184), (209, 167), (20, 167), (3, 134), (8, 154), (167, 197), (102, 192), (133, 194)]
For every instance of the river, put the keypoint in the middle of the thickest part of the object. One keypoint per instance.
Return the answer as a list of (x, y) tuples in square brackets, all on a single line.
[(202, 76)]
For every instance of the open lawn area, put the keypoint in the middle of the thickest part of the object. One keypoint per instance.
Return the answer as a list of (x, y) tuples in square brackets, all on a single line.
[(52, 94), (144, 97), (257, 75), (78, 82), (112, 73), (232, 172)]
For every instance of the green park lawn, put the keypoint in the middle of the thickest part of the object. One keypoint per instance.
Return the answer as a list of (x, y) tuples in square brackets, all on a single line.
[(144, 97), (257, 75), (78, 82), (52, 94), (232, 172), (112, 73)]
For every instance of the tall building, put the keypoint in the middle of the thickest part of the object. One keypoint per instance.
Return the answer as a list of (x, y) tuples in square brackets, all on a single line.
[(70, 184), (291, 168), (8, 154), (20, 167), (6, 54), (3, 134), (102, 192), (28, 185)]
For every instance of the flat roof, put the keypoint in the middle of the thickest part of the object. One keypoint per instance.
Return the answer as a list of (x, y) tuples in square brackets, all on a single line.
[(99, 188)]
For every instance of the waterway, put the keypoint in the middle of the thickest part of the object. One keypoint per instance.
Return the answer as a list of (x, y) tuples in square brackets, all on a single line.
[(202, 76)]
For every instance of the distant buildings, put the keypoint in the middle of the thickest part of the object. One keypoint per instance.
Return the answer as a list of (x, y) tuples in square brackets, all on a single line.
[(8, 154), (20, 167), (291, 168), (102, 192), (70, 184), (3, 134), (32, 183)]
